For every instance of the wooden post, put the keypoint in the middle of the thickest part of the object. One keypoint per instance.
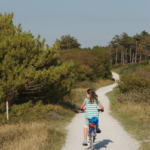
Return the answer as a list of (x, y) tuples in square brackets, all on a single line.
[(7, 110)]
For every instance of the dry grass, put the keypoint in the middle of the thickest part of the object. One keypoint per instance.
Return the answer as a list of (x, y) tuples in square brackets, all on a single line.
[(135, 117), (132, 108), (38, 128), (33, 136), (102, 83), (138, 111), (138, 96)]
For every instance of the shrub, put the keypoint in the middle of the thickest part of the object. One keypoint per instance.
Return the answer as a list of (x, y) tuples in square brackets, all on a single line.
[(129, 82), (21, 109), (143, 72), (133, 67), (94, 63), (135, 96), (135, 77)]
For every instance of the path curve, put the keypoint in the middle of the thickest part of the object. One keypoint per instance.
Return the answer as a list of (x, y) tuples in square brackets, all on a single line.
[(113, 136)]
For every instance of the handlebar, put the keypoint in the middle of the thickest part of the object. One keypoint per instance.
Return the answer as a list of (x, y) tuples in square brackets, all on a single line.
[(102, 110), (82, 110)]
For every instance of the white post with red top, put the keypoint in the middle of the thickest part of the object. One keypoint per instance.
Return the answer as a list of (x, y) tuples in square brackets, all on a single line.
[(7, 110)]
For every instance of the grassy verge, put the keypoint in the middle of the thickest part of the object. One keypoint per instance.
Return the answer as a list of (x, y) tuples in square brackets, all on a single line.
[(128, 68), (135, 117), (42, 127), (38, 127)]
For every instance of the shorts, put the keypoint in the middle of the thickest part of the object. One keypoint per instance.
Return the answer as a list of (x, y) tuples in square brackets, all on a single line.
[(86, 123)]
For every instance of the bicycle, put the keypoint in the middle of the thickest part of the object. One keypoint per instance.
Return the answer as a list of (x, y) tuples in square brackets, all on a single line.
[(92, 130)]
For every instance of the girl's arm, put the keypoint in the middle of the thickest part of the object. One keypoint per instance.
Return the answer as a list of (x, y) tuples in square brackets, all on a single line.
[(82, 106), (101, 106)]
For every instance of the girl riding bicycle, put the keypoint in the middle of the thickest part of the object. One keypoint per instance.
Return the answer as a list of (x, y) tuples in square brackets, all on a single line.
[(91, 103)]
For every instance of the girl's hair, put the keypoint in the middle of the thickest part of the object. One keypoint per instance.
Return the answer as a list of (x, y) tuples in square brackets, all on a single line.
[(93, 96)]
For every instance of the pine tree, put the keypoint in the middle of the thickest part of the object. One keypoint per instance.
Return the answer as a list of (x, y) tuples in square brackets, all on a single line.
[(67, 42), (29, 69)]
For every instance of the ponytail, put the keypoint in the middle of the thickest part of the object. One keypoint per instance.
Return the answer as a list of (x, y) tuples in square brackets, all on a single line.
[(93, 96)]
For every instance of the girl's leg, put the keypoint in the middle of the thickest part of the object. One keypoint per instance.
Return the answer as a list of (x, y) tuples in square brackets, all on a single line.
[(86, 126), (85, 133)]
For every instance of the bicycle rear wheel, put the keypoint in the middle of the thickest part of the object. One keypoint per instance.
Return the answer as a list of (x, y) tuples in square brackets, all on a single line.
[(91, 143)]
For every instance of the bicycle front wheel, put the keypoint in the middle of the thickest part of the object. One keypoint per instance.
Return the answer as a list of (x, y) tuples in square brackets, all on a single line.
[(91, 143)]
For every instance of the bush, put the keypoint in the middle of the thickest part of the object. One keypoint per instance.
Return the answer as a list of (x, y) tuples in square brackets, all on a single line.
[(94, 63), (135, 77), (135, 96), (143, 72), (129, 82), (21, 109)]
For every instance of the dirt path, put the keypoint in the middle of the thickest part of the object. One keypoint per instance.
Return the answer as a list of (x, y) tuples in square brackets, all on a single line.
[(113, 136)]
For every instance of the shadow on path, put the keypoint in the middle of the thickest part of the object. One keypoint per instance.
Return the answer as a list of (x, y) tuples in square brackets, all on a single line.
[(101, 144)]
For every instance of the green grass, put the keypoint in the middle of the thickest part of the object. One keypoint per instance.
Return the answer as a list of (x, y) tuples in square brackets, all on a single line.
[(133, 118), (133, 67)]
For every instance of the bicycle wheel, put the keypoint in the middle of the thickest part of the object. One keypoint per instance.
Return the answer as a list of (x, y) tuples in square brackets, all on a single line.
[(91, 142)]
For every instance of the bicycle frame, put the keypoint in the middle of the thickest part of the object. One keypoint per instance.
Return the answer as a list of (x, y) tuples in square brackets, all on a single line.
[(92, 134), (91, 130)]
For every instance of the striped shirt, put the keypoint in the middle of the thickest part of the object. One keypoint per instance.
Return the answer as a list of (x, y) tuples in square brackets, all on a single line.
[(91, 109)]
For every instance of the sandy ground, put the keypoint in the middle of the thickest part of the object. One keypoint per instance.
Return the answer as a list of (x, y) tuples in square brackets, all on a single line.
[(113, 136)]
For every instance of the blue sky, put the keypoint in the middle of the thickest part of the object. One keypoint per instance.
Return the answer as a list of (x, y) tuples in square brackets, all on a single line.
[(91, 22)]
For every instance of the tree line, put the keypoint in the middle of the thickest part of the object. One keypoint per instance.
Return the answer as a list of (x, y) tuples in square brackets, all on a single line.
[(126, 49), (32, 70), (123, 49)]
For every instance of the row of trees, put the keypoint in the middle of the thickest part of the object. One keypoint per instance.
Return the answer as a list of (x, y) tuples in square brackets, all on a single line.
[(31, 70), (126, 49), (123, 48)]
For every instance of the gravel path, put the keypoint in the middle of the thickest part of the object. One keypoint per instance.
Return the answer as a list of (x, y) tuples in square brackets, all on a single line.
[(113, 136)]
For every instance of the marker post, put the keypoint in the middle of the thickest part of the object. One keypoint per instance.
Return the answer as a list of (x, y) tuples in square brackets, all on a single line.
[(7, 110)]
